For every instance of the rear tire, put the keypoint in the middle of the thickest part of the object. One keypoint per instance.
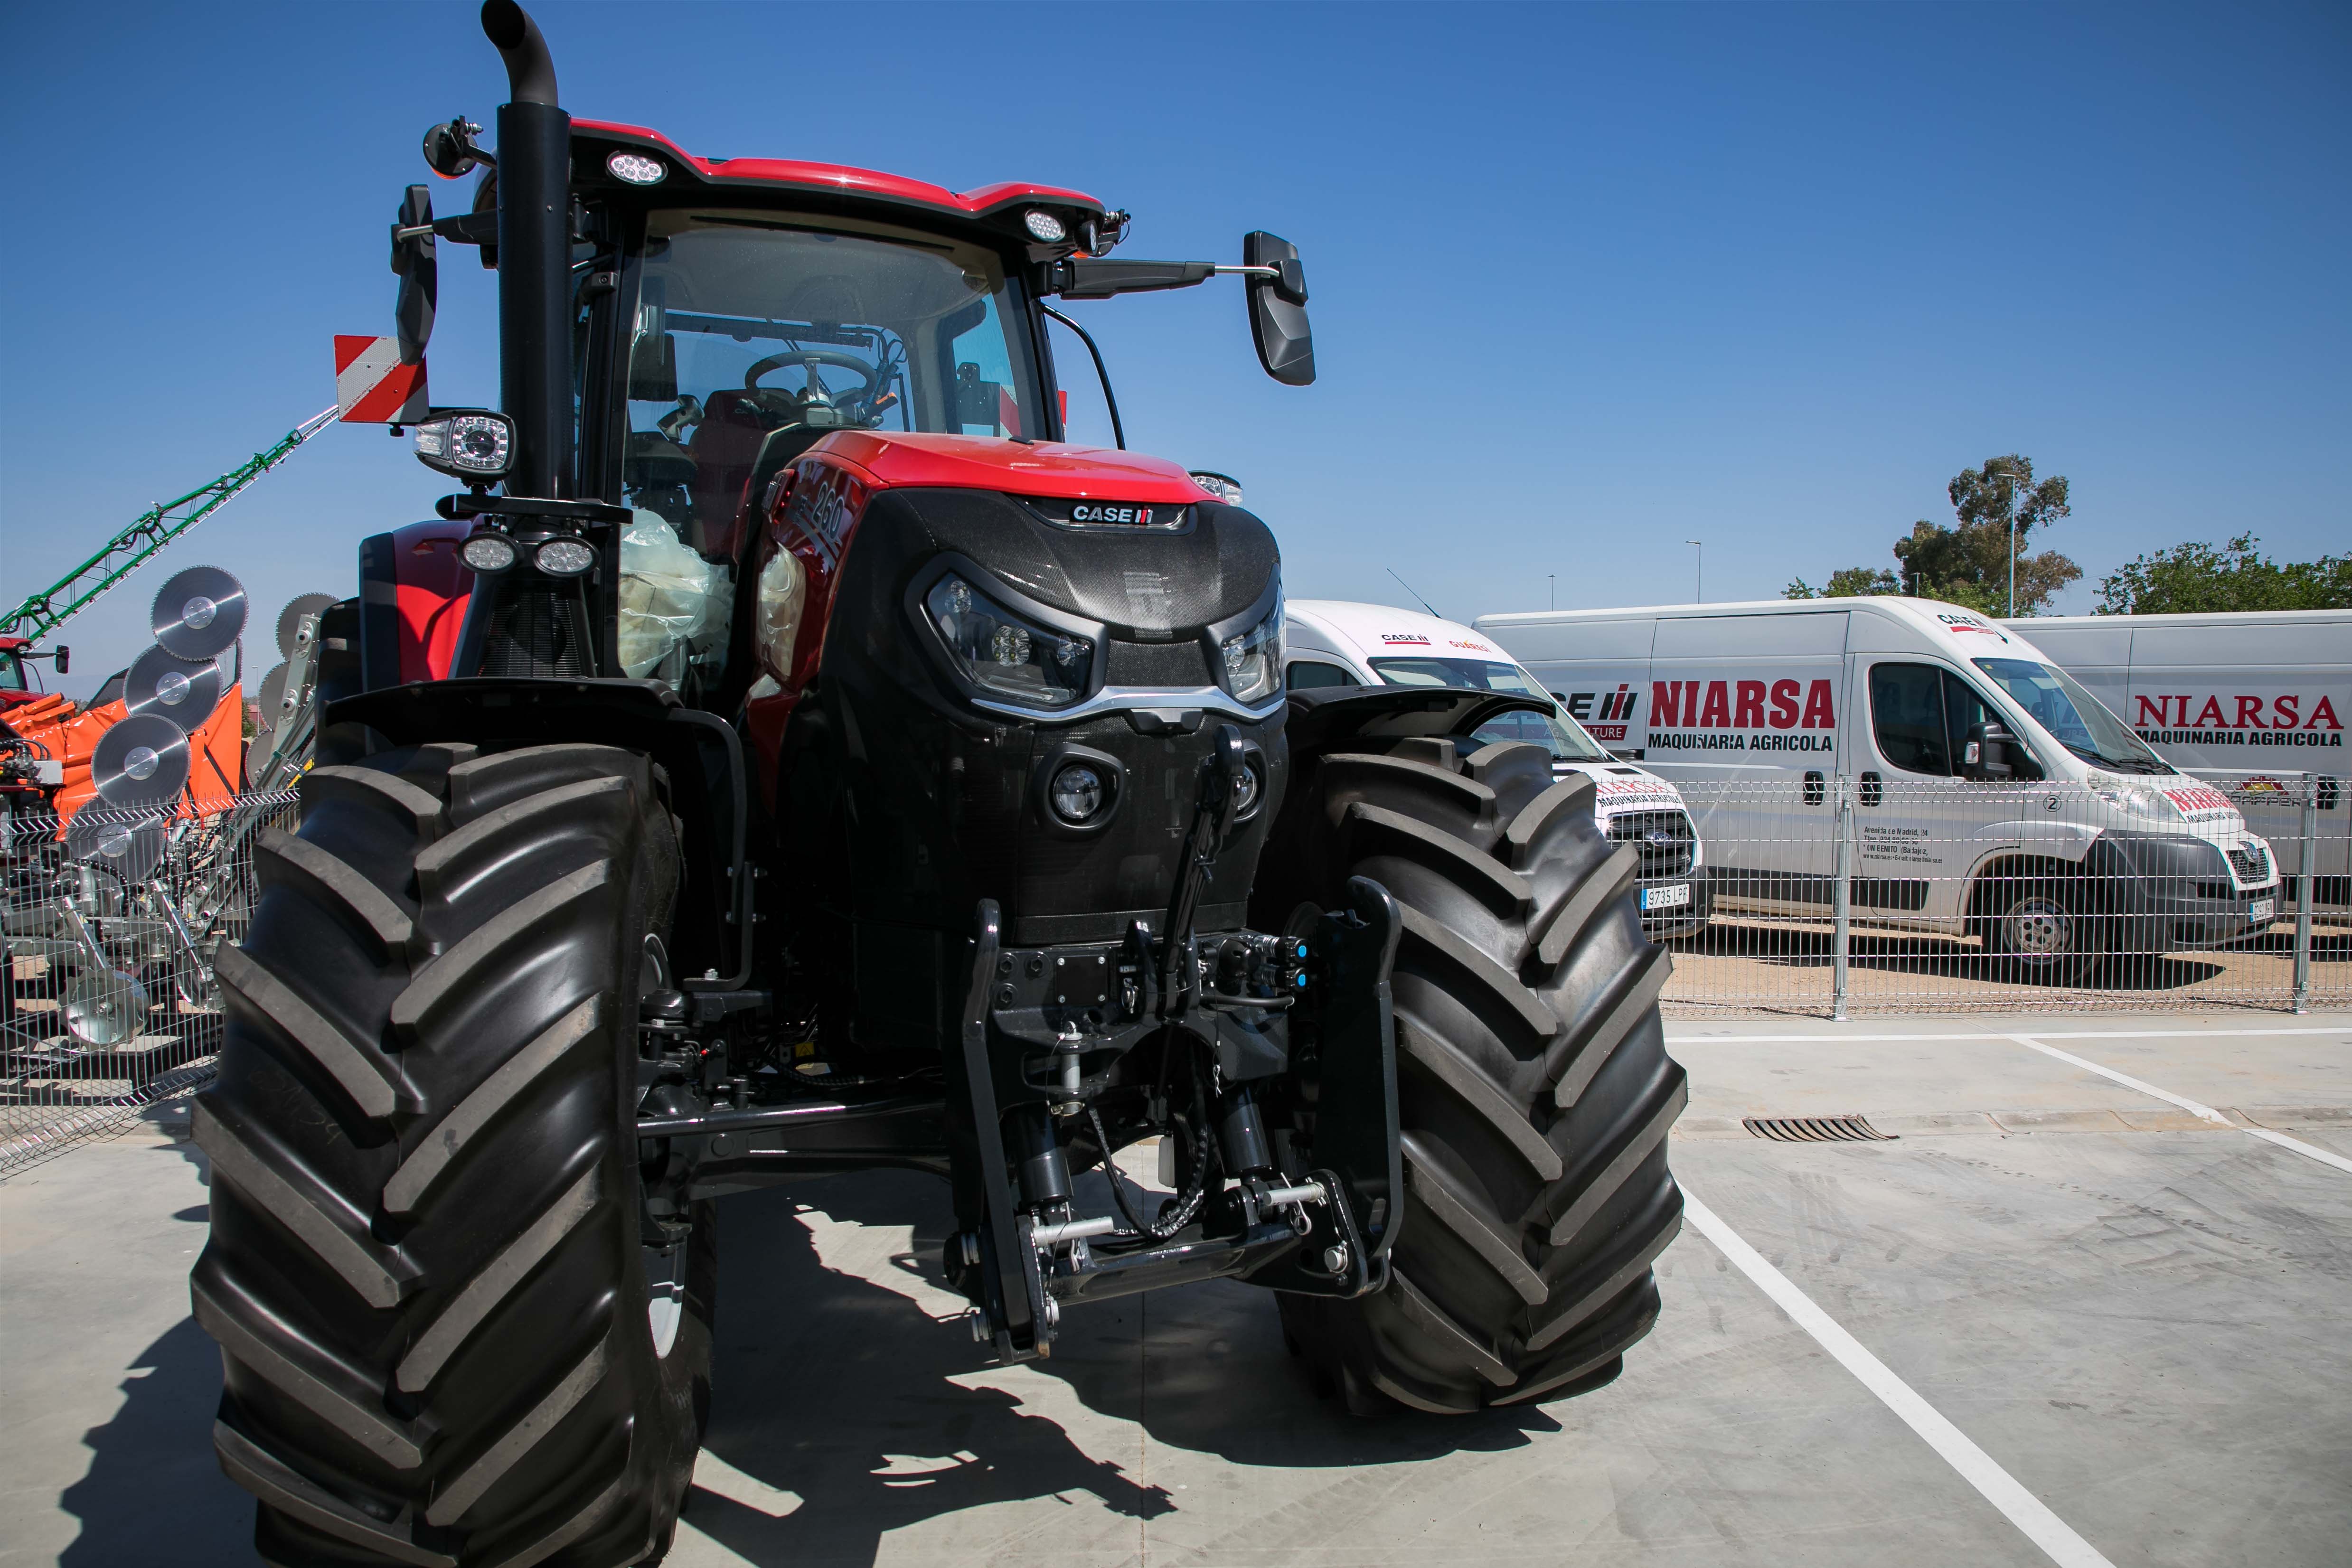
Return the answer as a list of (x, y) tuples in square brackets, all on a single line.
[(425, 1269), (1534, 1084)]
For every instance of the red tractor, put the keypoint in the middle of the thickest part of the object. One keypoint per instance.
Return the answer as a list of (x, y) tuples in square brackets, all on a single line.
[(789, 756)]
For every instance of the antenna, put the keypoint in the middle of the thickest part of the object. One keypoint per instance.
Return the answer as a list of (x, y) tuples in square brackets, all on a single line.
[(1425, 604)]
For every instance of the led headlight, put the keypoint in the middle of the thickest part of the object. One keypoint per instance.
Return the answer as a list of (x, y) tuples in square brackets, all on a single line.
[(488, 552), (636, 169), (1006, 654), (1044, 227), (1078, 793), (475, 445), (1253, 661), (563, 558), (1223, 486)]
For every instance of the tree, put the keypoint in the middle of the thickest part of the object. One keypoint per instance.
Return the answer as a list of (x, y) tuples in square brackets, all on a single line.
[(1846, 582), (1968, 564), (2197, 577)]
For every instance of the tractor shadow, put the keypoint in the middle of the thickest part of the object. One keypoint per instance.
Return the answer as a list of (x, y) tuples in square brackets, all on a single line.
[(845, 1404), (152, 1477)]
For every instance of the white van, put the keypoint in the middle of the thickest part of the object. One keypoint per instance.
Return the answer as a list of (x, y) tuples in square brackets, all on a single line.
[(2263, 694), (1943, 720), (1332, 642)]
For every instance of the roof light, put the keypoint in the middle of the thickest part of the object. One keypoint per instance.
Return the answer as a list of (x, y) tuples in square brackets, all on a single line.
[(636, 169), (1044, 227)]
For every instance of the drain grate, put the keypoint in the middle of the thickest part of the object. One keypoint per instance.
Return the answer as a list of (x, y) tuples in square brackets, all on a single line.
[(1816, 1130)]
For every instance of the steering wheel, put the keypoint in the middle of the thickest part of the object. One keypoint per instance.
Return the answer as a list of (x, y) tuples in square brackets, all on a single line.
[(808, 360)]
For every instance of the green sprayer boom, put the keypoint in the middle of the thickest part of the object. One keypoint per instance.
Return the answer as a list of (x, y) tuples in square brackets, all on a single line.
[(43, 613)]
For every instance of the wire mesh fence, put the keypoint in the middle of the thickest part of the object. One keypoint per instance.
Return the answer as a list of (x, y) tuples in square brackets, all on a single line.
[(1828, 895), (112, 919)]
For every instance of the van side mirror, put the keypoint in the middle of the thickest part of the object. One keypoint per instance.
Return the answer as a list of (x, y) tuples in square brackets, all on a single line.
[(1989, 752), (65, 658), (1278, 308)]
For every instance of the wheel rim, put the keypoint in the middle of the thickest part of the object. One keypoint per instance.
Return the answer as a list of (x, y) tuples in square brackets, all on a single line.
[(2041, 930)]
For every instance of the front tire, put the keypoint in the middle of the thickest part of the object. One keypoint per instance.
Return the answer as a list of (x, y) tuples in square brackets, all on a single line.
[(1534, 1084), (2042, 927), (425, 1268)]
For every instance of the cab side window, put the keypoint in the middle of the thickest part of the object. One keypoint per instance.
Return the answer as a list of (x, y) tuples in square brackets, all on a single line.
[(1306, 675), (1907, 716)]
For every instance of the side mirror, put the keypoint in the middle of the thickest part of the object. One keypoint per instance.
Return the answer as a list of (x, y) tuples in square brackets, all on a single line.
[(1278, 308), (412, 258), (1987, 752), (65, 658)]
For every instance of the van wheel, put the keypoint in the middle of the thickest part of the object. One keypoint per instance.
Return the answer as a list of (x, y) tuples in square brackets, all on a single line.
[(449, 1335), (2041, 926), (1534, 1086)]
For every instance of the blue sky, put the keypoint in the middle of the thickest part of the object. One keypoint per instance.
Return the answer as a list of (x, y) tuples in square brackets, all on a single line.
[(1588, 282)]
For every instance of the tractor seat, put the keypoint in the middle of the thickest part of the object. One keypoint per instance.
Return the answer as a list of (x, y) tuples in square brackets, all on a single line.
[(737, 452)]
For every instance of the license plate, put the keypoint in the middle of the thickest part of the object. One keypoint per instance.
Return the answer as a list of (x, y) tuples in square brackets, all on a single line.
[(1674, 897), (2261, 909)]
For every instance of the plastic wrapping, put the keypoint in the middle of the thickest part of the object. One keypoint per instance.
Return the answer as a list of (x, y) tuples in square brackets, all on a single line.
[(783, 593), (674, 604)]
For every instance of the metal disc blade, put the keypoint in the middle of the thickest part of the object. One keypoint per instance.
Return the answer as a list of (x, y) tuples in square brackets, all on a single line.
[(273, 693), (291, 617), (128, 843), (106, 1008), (199, 613), (177, 689), (140, 759)]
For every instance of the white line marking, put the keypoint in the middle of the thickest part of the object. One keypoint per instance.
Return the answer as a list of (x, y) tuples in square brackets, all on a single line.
[(1677, 1036), (2001, 1489), (2206, 1113)]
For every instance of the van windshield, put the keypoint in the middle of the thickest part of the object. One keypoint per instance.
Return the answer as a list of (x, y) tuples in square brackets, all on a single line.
[(1556, 732), (2078, 721)]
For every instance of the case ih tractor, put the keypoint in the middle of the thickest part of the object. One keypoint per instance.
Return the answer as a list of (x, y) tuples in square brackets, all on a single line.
[(787, 756)]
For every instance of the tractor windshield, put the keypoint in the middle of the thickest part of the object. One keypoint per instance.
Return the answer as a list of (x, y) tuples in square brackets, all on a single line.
[(756, 335)]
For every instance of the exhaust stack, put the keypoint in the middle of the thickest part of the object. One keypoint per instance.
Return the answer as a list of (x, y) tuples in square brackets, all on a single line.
[(534, 177)]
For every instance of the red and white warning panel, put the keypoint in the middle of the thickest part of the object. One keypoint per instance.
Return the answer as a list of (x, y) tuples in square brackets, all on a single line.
[(374, 387)]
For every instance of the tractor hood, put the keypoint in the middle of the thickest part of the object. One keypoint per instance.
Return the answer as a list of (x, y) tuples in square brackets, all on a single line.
[(890, 460)]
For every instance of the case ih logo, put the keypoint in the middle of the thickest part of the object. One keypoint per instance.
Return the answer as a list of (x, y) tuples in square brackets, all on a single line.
[(1405, 639), (1087, 512), (1610, 720), (1741, 707), (2237, 720)]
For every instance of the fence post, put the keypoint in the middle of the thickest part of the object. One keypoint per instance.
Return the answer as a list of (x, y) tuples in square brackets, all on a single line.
[(2306, 866), (1843, 893)]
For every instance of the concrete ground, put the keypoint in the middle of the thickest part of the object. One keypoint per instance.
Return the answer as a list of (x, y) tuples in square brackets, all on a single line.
[(2138, 1315)]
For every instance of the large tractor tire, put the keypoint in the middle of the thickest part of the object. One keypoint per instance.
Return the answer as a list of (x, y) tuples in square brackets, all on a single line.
[(1534, 1085), (445, 1339)]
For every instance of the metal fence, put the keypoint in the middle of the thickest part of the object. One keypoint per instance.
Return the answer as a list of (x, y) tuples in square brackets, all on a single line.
[(1827, 895), (111, 921)]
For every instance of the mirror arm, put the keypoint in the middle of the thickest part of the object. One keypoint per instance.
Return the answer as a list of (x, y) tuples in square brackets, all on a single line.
[(1118, 431)]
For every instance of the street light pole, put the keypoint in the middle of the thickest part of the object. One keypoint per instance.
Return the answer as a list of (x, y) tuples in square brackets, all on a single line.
[(1700, 586), (2012, 558)]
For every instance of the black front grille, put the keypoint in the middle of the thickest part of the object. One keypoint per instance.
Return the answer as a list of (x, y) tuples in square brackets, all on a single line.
[(539, 631), (1664, 841), (2249, 862)]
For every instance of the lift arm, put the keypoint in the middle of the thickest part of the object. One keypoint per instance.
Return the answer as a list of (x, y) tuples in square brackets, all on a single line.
[(44, 612)]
